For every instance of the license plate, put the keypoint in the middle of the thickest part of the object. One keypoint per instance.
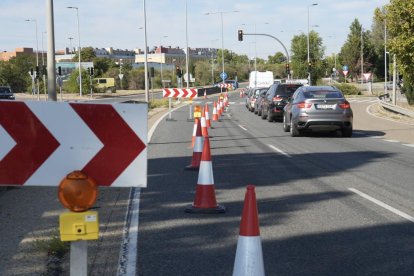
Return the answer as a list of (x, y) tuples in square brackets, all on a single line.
[(325, 106)]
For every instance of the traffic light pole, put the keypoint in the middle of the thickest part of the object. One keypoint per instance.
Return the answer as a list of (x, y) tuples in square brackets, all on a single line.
[(286, 51)]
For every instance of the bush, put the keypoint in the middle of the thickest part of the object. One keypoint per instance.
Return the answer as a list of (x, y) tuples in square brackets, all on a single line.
[(348, 89), (157, 103)]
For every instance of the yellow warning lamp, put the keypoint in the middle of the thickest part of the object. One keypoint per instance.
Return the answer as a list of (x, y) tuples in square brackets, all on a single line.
[(77, 191), (197, 111)]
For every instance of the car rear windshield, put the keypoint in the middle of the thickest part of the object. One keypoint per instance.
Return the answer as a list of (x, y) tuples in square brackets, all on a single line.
[(287, 89), (322, 94), (4, 90)]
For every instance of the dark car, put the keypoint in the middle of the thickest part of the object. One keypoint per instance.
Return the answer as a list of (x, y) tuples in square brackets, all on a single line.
[(276, 99), (6, 93), (318, 108)]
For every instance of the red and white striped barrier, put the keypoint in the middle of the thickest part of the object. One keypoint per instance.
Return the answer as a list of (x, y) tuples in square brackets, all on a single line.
[(179, 93)]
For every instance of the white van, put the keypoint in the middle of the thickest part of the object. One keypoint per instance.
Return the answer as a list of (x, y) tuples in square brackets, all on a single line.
[(260, 79)]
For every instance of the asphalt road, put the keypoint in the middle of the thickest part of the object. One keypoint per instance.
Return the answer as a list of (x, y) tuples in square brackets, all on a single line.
[(327, 205)]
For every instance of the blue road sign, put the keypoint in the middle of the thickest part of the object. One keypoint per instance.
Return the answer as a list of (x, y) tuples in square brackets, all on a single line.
[(223, 75), (345, 68)]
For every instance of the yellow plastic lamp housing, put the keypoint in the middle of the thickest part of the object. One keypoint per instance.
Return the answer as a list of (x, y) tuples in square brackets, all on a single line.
[(197, 111), (77, 191)]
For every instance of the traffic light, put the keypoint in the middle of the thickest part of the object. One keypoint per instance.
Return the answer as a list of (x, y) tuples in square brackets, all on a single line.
[(31, 71), (287, 69), (37, 72), (152, 72), (240, 33), (59, 71), (92, 71), (44, 70), (309, 66)]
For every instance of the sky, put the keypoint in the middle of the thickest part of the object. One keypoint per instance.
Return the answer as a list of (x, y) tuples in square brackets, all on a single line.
[(120, 23)]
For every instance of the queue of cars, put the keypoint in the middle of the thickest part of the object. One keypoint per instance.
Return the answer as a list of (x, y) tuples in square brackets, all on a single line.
[(302, 108)]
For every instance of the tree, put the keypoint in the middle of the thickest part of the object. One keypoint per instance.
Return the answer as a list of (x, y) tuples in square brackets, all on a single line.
[(350, 54), (377, 39), (278, 58), (400, 18), (299, 48), (87, 54), (14, 73), (102, 65)]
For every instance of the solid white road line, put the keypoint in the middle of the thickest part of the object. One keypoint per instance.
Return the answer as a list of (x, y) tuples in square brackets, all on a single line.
[(129, 247), (383, 205), (279, 150), (242, 127)]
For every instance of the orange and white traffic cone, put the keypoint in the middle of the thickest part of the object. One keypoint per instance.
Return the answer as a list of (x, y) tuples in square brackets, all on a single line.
[(204, 130), (205, 197), (205, 94), (197, 150), (221, 108), (249, 256), (207, 114), (194, 133), (215, 114)]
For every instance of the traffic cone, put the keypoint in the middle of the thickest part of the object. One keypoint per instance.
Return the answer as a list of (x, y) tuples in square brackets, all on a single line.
[(205, 197), (197, 150), (194, 133), (249, 256), (205, 94), (204, 130), (215, 115), (207, 114)]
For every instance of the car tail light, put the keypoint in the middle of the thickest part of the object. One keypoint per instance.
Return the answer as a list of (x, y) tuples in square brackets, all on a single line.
[(304, 105), (345, 105), (277, 99)]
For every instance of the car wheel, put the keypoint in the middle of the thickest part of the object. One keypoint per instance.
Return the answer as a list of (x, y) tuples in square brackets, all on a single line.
[(286, 127), (269, 116), (263, 114), (347, 132), (294, 132)]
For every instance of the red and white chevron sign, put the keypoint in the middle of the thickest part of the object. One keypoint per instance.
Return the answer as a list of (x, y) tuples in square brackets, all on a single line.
[(41, 142), (225, 85), (179, 93)]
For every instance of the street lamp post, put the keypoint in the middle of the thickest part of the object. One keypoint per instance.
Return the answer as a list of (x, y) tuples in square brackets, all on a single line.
[(385, 57), (309, 69), (43, 65), (161, 59), (70, 45), (222, 34), (37, 53), (79, 50)]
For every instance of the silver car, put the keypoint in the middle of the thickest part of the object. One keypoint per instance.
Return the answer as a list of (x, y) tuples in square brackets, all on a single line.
[(318, 108)]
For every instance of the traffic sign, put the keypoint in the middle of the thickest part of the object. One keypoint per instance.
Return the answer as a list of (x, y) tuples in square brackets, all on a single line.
[(44, 141), (121, 76), (345, 73), (367, 76), (223, 75), (345, 68), (179, 93)]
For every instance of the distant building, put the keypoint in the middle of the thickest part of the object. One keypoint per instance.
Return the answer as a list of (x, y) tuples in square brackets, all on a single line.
[(6, 56), (176, 56)]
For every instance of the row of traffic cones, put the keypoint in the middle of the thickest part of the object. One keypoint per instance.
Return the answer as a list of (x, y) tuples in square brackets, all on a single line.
[(249, 257)]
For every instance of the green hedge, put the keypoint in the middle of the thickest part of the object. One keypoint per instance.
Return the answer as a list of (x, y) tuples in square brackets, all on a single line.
[(348, 89)]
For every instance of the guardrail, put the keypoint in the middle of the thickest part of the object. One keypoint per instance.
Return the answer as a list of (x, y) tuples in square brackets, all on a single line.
[(396, 108)]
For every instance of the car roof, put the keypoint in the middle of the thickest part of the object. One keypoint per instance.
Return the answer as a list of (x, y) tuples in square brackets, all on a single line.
[(321, 87)]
